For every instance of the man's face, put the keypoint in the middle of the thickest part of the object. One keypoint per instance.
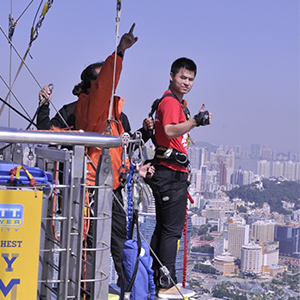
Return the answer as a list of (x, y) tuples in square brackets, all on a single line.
[(183, 81)]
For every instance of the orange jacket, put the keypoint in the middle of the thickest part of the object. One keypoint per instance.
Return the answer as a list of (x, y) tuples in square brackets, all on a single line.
[(91, 112)]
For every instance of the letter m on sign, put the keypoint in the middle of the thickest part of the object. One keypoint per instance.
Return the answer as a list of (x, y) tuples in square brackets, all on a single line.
[(6, 289)]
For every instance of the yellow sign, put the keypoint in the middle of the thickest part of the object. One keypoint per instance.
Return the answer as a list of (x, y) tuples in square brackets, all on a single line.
[(20, 224)]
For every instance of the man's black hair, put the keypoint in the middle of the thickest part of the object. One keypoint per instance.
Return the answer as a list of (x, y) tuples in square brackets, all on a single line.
[(185, 63)]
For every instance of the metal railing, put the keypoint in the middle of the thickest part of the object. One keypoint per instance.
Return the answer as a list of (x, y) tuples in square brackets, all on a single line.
[(61, 263)]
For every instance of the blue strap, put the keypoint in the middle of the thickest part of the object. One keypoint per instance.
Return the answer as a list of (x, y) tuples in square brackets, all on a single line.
[(129, 202)]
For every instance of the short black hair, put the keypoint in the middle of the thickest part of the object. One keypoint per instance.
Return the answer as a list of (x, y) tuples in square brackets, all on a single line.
[(185, 63)]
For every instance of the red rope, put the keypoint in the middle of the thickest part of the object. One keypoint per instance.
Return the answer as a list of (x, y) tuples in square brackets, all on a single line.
[(14, 172), (185, 247), (185, 241), (86, 227)]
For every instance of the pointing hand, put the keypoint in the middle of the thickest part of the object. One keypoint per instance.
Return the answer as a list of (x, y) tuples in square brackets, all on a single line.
[(127, 40)]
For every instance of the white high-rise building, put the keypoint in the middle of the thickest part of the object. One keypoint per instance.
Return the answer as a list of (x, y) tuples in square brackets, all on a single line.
[(277, 169), (297, 170), (238, 235), (289, 170), (198, 180), (251, 260), (196, 156), (263, 168), (270, 256), (263, 231), (238, 151)]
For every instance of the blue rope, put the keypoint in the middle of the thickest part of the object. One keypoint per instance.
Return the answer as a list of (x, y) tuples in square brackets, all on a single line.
[(150, 275), (129, 201)]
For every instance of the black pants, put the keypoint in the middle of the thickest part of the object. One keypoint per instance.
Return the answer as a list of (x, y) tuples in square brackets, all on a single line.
[(118, 237), (170, 200), (118, 231)]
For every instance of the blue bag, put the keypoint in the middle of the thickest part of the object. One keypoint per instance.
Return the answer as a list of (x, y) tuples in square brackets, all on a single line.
[(137, 277)]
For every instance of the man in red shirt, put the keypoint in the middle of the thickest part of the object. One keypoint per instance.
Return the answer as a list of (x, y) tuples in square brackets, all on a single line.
[(170, 180)]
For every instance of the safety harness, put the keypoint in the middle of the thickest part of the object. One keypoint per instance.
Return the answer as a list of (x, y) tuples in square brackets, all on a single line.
[(164, 153), (177, 157)]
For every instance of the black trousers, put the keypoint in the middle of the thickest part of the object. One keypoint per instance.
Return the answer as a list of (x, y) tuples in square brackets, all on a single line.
[(118, 231), (170, 200), (118, 237)]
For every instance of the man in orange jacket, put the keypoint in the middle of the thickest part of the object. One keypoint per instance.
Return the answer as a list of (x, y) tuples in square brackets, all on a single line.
[(91, 112)]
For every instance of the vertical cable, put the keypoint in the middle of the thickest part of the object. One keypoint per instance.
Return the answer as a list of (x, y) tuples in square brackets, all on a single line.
[(10, 71), (108, 128)]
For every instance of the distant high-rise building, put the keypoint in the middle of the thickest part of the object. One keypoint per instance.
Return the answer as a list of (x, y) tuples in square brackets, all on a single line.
[(248, 177), (235, 177), (204, 171), (245, 154), (229, 159), (198, 180), (289, 239), (238, 151), (194, 157), (197, 157), (297, 170), (223, 174), (289, 170), (263, 168), (199, 201), (277, 169), (270, 256), (241, 177), (274, 155), (226, 148), (251, 259), (266, 153), (262, 231), (255, 151), (238, 235), (229, 174)]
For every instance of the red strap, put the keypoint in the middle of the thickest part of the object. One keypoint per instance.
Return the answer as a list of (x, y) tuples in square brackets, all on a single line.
[(190, 198)]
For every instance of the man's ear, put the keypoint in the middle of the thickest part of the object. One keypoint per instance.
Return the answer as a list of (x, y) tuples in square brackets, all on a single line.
[(171, 76)]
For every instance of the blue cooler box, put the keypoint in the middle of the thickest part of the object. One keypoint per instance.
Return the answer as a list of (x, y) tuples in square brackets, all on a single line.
[(39, 175)]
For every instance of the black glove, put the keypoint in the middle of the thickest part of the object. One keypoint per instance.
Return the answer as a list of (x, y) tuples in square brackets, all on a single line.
[(202, 118)]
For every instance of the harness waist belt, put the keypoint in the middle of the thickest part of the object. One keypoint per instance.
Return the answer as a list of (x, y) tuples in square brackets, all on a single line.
[(163, 153)]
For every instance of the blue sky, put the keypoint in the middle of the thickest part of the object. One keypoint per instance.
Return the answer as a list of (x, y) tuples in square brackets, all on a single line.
[(247, 53)]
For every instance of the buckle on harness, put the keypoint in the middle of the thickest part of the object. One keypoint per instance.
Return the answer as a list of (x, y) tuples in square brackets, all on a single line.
[(168, 153), (172, 155), (181, 157)]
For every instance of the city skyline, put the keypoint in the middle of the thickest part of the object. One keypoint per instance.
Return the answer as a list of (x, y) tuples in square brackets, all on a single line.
[(243, 149), (247, 55)]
